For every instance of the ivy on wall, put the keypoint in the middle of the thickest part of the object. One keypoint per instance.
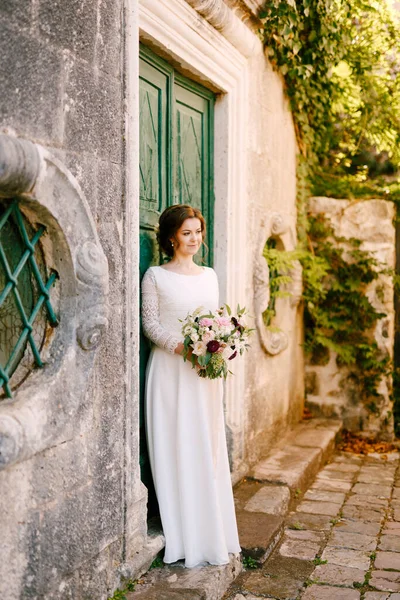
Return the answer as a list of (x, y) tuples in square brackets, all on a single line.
[(340, 62)]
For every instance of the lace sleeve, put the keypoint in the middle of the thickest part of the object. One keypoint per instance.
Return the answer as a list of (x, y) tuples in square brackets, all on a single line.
[(152, 327)]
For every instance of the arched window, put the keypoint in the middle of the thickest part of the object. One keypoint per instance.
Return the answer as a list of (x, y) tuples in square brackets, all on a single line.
[(25, 307)]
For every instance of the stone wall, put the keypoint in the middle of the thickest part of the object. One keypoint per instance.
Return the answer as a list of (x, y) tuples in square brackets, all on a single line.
[(328, 392), (63, 509), (274, 379)]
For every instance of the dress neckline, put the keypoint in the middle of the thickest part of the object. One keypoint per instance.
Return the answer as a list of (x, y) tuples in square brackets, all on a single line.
[(183, 274)]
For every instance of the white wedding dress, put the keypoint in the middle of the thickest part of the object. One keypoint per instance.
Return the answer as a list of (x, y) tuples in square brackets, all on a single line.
[(185, 426)]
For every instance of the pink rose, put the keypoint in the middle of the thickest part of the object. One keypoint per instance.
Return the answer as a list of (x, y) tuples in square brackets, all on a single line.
[(223, 321), (205, 322)]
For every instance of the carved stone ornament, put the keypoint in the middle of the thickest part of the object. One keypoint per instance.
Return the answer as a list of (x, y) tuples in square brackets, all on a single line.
[(44, 409), (222, 17), (273, 340)]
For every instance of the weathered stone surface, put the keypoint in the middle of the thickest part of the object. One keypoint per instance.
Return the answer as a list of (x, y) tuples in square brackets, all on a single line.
[(337, 395), (390, 543), (258, 533), (376, 596), (387, 560), (364, 500), (354, 526), (309, 536), (324, 496), (385, 580), (301, 549), (316, 438), (334, 486), (344, 467), (319, 508), (362, 514), (338, 575), (325, 592), (392, 528), (335, 475), (356, 559), (381, 491), (92, 103), (309, 521), (284, 587), (272, 500), (293, 466), (37, 64), (355, 541)]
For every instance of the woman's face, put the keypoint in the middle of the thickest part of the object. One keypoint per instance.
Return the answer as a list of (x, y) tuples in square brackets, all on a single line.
[(189, 237)]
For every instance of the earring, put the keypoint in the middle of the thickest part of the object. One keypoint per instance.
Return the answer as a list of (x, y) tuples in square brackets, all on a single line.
[(172, 243)]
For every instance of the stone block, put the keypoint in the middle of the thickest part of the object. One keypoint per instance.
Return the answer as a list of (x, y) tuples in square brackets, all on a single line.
[(369, 489), (316, 438), (390, 543), (335, 486), (319, 508), (284, 587), (368, 501), (385, 581), (356, 559), (93, 113), (24, 79), (73, 28), (293, 466), (302, 549), (354, 526), (355, 541), (272, 500), (335, 475), (324, 496), (258, 533), (392, 528), (344, 467), (325, 592), (309, 521), (337, 574), (164, 591), (362, 514), (387, 560), (376, 596), (304, 534)]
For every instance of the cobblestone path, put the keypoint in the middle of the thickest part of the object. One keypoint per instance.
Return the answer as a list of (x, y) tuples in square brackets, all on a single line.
[(341, 543)]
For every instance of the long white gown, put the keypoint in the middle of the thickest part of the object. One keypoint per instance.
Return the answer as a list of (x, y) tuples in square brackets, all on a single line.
[(185, 426)]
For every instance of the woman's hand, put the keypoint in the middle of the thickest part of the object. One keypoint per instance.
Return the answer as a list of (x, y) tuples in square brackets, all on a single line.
[(179, 350)]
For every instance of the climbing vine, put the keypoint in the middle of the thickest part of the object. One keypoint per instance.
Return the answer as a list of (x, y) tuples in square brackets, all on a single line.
[(340, 62), (338, 314)]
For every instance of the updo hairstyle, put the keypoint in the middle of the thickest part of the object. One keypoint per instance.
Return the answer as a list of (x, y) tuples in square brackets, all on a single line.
[(171, 221)]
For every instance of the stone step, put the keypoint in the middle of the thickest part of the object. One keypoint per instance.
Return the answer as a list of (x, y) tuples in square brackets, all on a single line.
[(300, 455), (176, 582), (262, 502)]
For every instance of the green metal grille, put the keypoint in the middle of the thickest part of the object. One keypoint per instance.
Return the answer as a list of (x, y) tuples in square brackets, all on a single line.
[(23, 292)]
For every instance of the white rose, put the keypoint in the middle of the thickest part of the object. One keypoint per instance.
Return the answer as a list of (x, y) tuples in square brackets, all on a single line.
[(194, 336), (199, 348)]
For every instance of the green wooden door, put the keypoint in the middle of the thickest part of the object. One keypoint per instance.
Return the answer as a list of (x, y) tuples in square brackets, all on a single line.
[(176, 167)]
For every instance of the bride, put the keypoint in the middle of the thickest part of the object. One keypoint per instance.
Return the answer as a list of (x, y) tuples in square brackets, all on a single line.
[(184, 412)]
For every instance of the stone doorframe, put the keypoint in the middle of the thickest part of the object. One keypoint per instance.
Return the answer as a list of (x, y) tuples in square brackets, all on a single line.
[(208, 43)]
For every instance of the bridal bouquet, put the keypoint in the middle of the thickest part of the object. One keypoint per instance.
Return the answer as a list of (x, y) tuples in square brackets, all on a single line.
[(214, 339)]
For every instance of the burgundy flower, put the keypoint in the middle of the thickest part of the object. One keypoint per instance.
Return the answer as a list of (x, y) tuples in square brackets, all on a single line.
[(213, 346), (233, 355)]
